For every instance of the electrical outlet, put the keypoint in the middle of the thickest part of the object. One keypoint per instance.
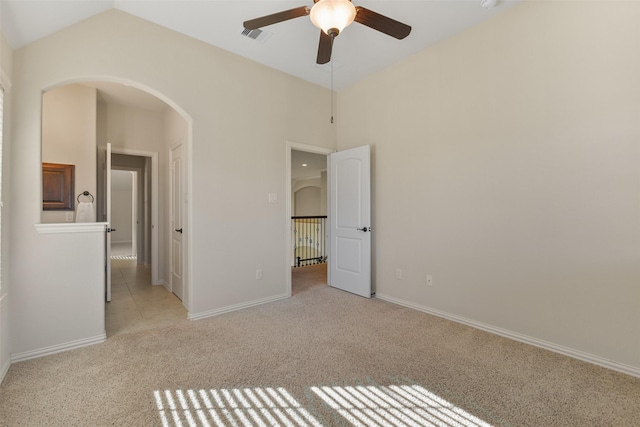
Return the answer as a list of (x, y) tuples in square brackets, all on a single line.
[(69, 216), (398, 273), (258, 274), (429, 280)]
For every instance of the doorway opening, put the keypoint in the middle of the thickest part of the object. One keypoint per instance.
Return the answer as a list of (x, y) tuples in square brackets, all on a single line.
[(81, 116), (124, 218), (136, 303), (307, 249), (132, 208)]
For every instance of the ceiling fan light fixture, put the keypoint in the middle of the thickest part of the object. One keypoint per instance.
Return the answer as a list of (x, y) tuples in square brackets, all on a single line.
[(332, 16)]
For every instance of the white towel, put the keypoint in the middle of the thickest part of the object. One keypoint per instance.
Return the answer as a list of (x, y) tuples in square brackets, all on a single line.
[(85, 212)]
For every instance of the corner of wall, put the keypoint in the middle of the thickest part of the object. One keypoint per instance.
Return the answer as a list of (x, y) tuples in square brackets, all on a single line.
[(6, 64)]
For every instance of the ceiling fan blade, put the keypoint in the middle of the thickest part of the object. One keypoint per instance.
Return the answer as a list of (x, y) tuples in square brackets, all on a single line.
[(382, 23), (263, 21), (324, 48)]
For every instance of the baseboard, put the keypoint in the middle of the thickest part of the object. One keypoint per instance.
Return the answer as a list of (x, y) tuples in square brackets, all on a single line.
[(46, 351), (567, 351), (230, 308)]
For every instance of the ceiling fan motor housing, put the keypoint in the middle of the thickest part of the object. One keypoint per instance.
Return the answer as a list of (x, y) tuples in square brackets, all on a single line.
[(332, 16), (333, 32)]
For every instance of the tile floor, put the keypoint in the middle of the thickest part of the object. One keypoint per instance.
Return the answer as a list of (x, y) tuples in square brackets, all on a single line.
[(136, 304)]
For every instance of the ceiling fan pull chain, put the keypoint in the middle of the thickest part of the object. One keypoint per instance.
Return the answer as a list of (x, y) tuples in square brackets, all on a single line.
[(332, 39)]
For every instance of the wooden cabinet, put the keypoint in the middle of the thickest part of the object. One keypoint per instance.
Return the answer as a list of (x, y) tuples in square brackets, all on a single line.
[(58, 187)]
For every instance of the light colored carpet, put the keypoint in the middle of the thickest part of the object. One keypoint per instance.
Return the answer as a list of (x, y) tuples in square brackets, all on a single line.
[(322, 357)]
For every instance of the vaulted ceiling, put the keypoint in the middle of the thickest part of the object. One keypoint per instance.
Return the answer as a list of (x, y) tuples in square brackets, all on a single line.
[(289, 46)]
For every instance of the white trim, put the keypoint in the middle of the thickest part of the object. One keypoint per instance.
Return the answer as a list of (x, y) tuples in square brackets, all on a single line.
[(567, 351), (74, 227), (47, 351), (236, 307), (290, 145)]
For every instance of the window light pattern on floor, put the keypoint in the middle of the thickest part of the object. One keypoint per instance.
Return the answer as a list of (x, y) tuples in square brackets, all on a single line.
[(234, 407), (395, 406)]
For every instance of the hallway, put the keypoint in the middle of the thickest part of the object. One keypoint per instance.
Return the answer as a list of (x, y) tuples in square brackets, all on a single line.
[(135, 303)]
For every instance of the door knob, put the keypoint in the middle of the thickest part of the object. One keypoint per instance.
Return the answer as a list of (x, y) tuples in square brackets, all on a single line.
[(179, 231), (109, 230), (365, 229)]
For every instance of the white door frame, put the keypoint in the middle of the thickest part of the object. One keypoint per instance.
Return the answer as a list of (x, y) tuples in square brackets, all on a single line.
[(154, 204), (289, 250)]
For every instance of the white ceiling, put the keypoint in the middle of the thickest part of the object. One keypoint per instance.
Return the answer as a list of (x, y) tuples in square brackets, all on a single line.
[(316, 163), (292, 46)]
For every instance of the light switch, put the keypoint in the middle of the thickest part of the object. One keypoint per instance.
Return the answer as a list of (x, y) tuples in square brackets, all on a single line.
[(273, 197)]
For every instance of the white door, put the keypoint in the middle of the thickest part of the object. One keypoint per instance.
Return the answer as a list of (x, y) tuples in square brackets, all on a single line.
[(350, 217), (107, 195), (177, 215)]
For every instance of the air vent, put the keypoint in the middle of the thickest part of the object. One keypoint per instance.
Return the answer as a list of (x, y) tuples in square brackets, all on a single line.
[(258, 35)]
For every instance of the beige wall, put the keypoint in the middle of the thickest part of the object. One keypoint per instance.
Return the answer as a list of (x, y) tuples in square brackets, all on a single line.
[(237, 150), (69, 137), (6, 67), (133, 128), (307, 201), (122, 206), (506, 165)]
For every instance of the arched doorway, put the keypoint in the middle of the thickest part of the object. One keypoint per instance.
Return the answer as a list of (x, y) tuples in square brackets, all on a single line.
[(80, 116)]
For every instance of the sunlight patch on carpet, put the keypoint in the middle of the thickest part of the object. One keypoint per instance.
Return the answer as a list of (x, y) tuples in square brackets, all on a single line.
[(231, 407), (395, 406)]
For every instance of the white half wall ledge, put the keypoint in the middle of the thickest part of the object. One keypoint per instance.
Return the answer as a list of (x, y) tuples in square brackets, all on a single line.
[(567, 351), (236, 307), (47, 351), (73, 227)]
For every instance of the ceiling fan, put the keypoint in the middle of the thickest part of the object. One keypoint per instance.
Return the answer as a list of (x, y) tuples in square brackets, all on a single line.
[(332, 16)]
